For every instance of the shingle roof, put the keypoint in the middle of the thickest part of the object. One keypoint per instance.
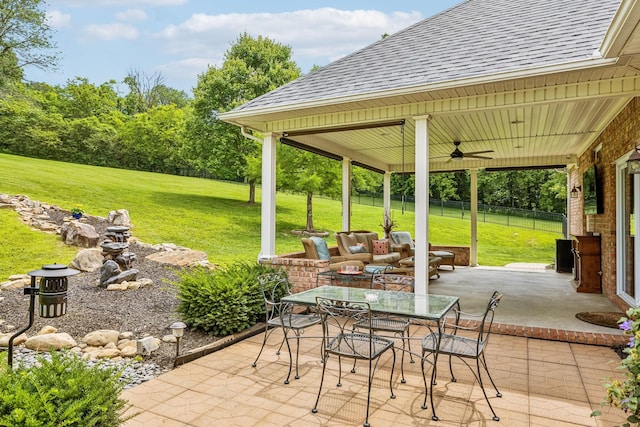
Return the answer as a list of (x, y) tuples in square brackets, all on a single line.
[(473, 39)]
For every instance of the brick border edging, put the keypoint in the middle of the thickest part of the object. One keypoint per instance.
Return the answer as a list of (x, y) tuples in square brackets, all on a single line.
[(553, 334)]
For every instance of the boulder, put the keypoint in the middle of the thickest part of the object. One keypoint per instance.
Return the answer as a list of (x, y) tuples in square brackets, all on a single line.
[(15, 284), (57, 341), (48, 329), (4, 339), (119, 217), (101, 337), (87, 260), (79, 234)]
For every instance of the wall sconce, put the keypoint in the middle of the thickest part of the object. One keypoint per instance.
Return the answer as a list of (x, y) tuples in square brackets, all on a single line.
[(177, 330), (633, 164), (575, 191)]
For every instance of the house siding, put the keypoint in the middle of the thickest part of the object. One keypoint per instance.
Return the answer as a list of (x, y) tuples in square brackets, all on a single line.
[(616, 140)]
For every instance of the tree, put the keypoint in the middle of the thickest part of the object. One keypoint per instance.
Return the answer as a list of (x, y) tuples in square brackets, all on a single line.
[(25, 37), (308, 173), (252, 67), (147, 91)]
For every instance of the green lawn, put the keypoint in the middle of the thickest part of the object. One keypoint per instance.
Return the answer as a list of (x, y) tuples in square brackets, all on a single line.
[(212, 216)]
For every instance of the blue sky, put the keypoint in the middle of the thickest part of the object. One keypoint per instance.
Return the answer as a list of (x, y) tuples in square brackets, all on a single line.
[(105, 39)]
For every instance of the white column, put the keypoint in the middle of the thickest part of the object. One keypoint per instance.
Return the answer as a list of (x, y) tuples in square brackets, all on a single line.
[(268, 230), (386, 192), (473, 261), (422, 205), (569, 187), (346, 194)]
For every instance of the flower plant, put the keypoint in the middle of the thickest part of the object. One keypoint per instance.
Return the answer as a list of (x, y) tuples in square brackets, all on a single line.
[(78, 210), (626, 394)]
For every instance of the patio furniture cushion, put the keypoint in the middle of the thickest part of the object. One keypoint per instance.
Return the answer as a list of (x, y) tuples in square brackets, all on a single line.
[(400, 237), (321, 247), (380, 247)]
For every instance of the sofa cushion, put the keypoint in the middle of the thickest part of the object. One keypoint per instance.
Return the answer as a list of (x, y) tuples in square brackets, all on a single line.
[(321, 247), (400, 237), (389, 258), (367, 238), (348, 240)]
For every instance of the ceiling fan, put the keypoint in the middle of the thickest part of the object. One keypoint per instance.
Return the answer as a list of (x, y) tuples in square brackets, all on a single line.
[(457, 154)]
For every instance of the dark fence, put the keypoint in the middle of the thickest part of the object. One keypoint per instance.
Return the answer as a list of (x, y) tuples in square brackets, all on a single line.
[(513, 217)]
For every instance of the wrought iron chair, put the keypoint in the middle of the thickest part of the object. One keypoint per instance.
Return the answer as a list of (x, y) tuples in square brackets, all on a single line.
[(279, 314), (470, 346), (390, 324), (340, 340)]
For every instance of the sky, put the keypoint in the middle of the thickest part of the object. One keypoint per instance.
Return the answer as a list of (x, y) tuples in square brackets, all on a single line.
[(105, 40)]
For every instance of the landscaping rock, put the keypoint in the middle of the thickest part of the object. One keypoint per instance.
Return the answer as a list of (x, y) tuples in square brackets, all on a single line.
[(79, 234), (46, 342), (186, 257), (119, 217), (101, 337), (87, 260)]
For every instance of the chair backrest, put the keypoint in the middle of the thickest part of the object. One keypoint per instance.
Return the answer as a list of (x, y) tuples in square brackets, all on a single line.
[(337, 317), (393, 282), (310, 251), (274, 286), (487, 320), (401, 237)]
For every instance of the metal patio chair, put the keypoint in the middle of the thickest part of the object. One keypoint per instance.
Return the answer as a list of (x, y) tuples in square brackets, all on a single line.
[(386, 323), (470, 346), (341, 340), (280, 315)]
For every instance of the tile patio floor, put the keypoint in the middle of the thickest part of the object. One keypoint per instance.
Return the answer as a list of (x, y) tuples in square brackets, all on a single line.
[(543, 382)]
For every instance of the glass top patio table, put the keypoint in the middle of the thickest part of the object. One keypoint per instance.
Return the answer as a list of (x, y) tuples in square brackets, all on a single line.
[(406, 304)]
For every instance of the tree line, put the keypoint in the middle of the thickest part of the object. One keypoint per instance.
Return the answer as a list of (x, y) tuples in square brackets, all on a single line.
[(152, 127)]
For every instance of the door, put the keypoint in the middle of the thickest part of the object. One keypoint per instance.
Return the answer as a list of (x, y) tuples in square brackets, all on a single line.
[(627, 201)]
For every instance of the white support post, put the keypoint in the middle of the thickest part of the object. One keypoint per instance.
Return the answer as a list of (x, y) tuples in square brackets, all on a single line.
[(386, 192), (422, 205), (569, 187), (346, 194), (268, 230), (473, 261)]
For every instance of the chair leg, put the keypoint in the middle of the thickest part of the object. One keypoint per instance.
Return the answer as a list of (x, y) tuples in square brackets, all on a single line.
[(495, 417), (484, 364), (264, 341), (286, 339)]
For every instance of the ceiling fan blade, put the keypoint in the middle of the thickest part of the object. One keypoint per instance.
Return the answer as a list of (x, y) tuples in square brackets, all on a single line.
[(478, 152), (473, 156)]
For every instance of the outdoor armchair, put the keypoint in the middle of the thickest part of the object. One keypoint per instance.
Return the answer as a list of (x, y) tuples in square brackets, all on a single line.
[(464, 338), (316, 248), (280, 315), (359, 245)]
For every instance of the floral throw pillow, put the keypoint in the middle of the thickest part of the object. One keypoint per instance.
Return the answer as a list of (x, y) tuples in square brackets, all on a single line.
[(380, 247)]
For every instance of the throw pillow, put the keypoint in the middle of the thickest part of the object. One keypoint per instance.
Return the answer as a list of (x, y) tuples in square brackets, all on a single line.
[(358, 249), (380, 247), (321, 247)]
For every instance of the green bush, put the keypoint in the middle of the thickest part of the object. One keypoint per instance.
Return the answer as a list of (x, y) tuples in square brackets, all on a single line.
[(63, 391), (222, 301)]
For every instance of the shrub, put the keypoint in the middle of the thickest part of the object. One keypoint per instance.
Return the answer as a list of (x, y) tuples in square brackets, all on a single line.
[(222, 301), (62, 391), (626, 394)]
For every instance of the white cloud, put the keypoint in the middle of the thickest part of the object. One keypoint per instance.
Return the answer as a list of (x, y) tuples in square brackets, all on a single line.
[(131, 15), (327, 32), (57, 19), (115, 31)]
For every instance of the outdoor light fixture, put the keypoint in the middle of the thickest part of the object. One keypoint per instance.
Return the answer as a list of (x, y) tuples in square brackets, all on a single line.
[(633, 164), (575, 191), (53, 296), (177, 330)]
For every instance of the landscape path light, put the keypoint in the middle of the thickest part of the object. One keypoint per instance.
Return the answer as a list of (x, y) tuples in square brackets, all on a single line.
[(177, 330)]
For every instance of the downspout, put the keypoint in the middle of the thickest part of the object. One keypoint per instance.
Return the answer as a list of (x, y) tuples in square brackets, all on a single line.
[(243, 130)]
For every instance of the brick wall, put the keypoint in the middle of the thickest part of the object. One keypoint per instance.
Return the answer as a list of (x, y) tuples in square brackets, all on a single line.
[(302, 272), (616, 141), (462, 252)]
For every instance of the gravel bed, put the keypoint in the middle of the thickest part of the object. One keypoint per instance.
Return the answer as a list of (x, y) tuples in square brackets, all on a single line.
[(144, 312)]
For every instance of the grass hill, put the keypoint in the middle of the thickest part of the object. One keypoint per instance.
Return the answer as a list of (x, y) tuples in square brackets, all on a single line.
[(212, 216)]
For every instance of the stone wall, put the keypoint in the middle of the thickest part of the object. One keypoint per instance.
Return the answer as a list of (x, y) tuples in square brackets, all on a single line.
[(614, 142)]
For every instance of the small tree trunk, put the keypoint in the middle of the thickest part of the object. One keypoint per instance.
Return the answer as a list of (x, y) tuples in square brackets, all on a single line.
[(310, 212), (252, 192)]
